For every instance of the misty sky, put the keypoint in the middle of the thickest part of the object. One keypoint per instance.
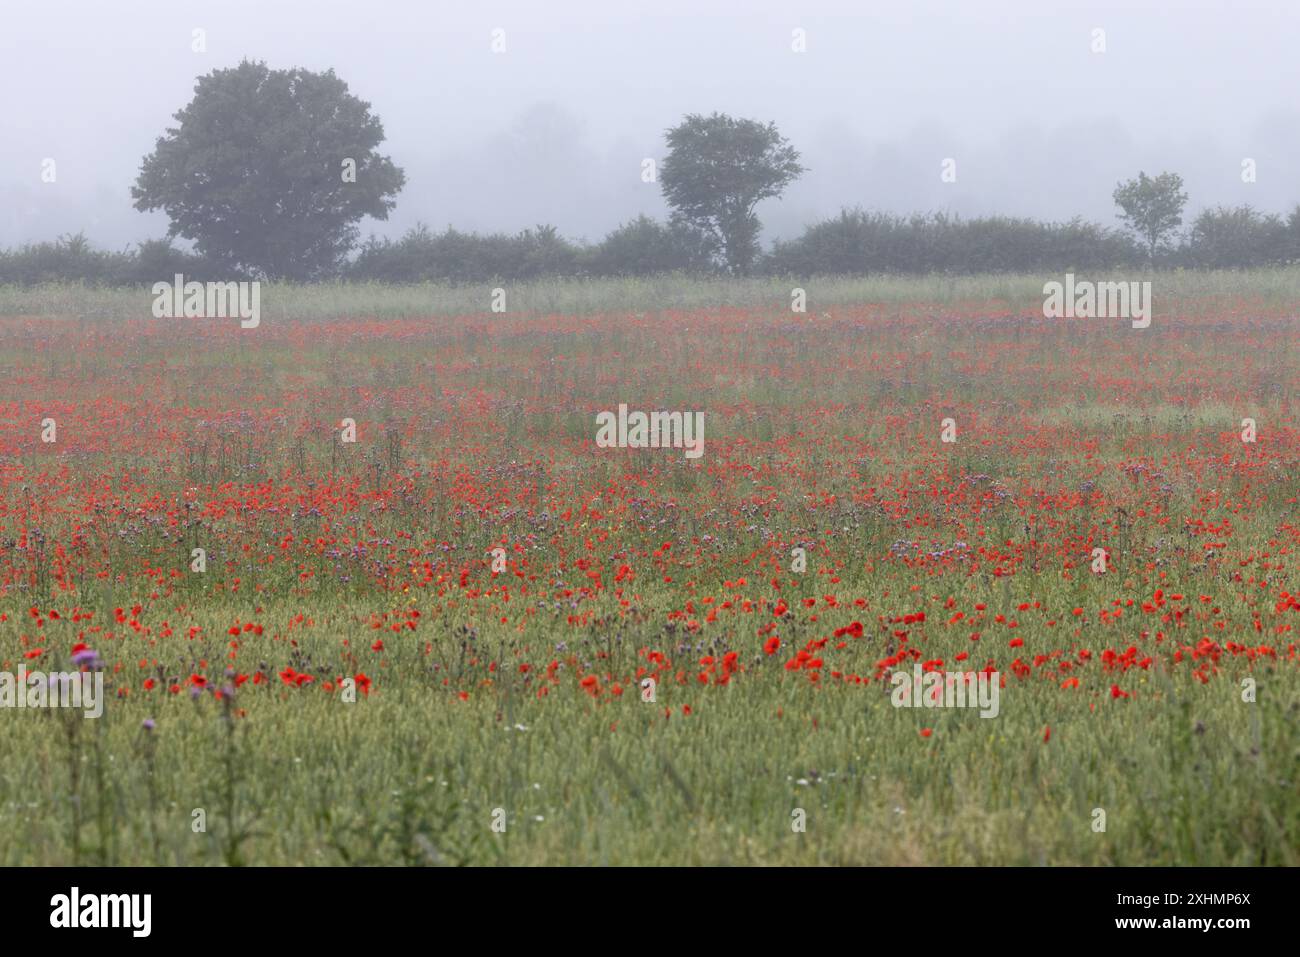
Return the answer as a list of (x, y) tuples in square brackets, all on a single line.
[(554, 130)]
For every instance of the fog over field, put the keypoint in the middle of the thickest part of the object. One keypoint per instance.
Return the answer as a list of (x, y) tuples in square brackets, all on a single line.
[(650, 433), (553, 129)]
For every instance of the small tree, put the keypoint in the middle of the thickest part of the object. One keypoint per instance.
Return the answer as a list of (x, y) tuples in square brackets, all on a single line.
[(1151, 208), (269, 171), (717, 170)]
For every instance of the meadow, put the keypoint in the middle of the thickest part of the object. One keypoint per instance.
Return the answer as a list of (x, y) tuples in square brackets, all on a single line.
[(352, 675)]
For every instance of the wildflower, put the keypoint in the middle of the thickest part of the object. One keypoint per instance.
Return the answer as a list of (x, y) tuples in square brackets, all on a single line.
[(84, 657)]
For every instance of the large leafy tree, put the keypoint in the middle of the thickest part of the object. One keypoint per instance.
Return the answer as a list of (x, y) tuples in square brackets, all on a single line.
[(1152, 207), (717, 170), (258, 171)]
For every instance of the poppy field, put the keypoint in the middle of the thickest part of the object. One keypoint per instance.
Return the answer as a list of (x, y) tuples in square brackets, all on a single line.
[(365, 589)]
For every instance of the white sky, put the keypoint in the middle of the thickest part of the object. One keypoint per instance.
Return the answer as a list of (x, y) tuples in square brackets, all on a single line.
[(554, 130)]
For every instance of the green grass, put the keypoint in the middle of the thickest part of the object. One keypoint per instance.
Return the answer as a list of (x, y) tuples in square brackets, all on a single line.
[(1210, 289), (823, 431), (411, 774)]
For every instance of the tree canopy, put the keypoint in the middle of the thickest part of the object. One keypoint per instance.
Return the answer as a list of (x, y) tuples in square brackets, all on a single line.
[(717, 170), (1152, 207), (269, 171)]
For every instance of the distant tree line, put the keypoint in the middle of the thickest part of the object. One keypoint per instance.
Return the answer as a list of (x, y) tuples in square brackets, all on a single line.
[(268, 172), (856, 242)]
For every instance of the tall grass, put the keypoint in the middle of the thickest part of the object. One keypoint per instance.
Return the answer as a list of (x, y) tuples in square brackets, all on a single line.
[(1019, 293)]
